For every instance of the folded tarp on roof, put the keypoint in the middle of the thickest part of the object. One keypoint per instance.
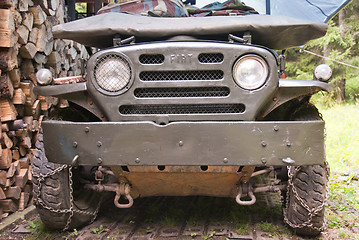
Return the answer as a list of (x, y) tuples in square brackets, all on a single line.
[(277, 32)]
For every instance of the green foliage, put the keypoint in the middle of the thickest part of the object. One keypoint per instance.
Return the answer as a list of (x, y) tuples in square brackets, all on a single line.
[(98, 230), (340, 43)]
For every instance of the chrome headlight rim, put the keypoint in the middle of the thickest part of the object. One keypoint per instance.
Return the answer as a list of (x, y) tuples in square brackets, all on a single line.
[(265, 75), (125, 59)]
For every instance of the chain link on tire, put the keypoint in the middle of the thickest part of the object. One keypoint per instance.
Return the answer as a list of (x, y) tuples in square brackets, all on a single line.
[(40, 178)]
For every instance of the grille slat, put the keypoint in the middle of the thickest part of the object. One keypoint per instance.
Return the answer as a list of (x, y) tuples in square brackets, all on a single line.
[(210, 57), (182, 92), (181, 75), (181, 109), (151, 58)]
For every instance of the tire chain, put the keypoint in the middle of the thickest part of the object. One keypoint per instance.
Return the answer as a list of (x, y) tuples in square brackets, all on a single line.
[(71, 210), (312, 212)]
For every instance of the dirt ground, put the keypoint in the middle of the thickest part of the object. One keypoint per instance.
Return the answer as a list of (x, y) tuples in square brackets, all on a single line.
[(181, 218)]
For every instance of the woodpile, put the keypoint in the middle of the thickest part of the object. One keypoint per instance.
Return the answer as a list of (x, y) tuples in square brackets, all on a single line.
[(27, 45)]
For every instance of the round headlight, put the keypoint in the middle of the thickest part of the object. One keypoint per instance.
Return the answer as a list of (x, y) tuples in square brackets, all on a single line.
[(44, 76), (323, 72), (250, 72), (112, 73)]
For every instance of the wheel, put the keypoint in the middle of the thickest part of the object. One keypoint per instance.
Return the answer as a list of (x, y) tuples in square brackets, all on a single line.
[(61, 202), (305, 200), (307, 188)]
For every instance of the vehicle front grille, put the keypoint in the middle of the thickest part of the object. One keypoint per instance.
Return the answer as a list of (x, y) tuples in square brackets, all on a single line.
[(151, 58), (181, 109), (190, 92), (210, 57), (181, 75)]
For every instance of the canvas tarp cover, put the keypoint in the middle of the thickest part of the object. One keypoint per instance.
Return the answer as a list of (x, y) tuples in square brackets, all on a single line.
[(277, 32)]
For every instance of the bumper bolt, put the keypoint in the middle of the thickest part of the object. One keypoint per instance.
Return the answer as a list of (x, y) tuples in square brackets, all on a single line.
[(180, 143), (276, 128), (288, 160), (289, 144), (74, 144), (264, 144), (87, 129), (225, 160), (99, 144), (137, 160), (99, 160), (264, 161)]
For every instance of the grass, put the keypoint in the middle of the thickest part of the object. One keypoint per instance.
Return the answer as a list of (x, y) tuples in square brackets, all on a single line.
[(342, 141)]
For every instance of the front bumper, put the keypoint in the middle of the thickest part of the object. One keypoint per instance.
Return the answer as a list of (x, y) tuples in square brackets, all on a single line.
[(185, 143)]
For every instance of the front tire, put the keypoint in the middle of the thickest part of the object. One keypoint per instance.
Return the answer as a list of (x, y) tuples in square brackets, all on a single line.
[(60, 204), (306, 197)]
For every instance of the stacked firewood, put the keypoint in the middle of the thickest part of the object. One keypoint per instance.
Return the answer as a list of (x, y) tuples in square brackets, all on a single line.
[(27, 45)]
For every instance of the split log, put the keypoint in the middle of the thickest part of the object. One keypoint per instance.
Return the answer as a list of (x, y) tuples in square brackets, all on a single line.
[(8, 38), (24, 162), (6, 19), (17, 18), (21, 179), (24, 198), (15, 125), (23, 33), (40, 58), (27, 71), (8, 59), (28, 20), (13, 192), (39, 15), (8, 205), (7, 110), (16, 155), (3, 177), (52, 4), (2, 194), (42, 39), (23, 6), (5, 159), (33, 35), (6, 3), (6, 87), (22, 151), (28, 51), (6, 141), (27, 87), (15, 77), (19, 97)]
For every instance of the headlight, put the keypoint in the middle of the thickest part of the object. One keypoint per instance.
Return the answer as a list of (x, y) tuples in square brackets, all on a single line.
[(323, 73), (44, 76), (112, 73), (250, 72)]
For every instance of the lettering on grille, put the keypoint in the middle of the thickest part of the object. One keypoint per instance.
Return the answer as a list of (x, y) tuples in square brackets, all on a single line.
[(188, 92), (181, 109), (181, 75)]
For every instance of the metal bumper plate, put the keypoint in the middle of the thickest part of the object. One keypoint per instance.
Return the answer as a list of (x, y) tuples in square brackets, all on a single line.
[(185, 143)]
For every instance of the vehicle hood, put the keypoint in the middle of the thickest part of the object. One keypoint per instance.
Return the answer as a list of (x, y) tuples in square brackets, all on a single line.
[(276, 32)]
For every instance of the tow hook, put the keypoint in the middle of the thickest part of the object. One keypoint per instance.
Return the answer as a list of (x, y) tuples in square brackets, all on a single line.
[(245, 189), (123, 189)]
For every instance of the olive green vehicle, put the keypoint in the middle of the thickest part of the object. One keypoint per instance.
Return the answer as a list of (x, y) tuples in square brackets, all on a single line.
[(180, 107)]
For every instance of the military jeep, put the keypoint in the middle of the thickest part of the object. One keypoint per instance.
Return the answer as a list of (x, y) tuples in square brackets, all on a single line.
[(179, 107)]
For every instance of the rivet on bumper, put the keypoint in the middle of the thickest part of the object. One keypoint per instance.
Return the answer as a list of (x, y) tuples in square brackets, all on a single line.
[(288, 160)]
